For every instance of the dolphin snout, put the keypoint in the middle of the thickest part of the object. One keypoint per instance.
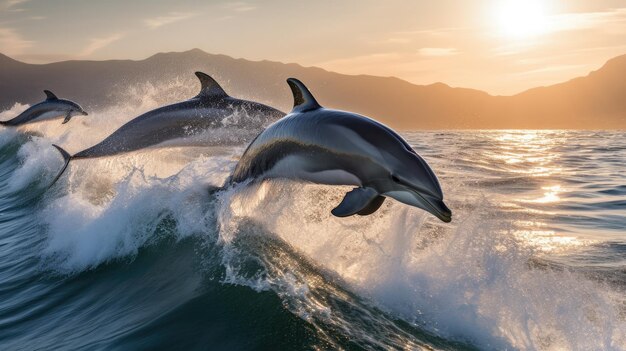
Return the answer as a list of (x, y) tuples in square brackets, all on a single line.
[(445, 214), (438, 208), (431, 204), (84, 113)]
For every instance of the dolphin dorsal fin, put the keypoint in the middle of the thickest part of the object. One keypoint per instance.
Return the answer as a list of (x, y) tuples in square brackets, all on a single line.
[(303, 100), (210, 88), (50, 95)]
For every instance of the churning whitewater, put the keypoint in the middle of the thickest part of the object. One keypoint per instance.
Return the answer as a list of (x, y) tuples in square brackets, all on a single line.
[(134, 252)]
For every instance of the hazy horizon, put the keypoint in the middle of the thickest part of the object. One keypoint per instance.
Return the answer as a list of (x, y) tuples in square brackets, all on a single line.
[(501, 47)]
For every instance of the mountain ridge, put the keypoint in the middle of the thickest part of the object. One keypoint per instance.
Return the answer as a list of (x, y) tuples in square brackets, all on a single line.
[(592, 101)]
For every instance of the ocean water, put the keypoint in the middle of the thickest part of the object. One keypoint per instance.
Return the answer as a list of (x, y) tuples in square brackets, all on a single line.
[(133, 252)]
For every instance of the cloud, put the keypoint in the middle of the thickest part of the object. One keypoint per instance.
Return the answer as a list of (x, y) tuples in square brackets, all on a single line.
[(550, 69), (398, 40), (10, 5), (381, 63), (12, 42), (515, 48), (96, 44), (240, 6), (172, 17), (369, 58), (608, 20), (586, 27), (434, 31), (438, 52)]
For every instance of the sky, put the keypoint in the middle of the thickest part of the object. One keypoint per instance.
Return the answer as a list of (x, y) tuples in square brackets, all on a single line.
[(499, 46)]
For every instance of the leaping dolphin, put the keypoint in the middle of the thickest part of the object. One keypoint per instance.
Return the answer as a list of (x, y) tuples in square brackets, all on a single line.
[(180, 122), (51, 108), (334, 147)]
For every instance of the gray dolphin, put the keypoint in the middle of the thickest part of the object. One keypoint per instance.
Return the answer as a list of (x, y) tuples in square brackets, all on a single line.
[(334, 147), (51, 108), (178, 123)]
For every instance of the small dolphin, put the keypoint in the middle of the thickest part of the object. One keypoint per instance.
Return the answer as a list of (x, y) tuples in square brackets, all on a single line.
[(178, 123), (334, 147), (51, 108)]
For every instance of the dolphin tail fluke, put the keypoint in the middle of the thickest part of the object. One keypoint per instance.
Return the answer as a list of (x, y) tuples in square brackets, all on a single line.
[(66, 158)]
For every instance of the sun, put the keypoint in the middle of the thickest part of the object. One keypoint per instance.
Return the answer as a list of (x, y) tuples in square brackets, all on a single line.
[(521, 18)]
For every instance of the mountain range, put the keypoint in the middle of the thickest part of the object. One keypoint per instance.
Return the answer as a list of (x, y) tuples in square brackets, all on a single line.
[(595, 101)]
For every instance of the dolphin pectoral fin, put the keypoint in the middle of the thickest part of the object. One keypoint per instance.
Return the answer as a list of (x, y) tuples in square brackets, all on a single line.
[(356, 201), (373, 206), (67, 118)]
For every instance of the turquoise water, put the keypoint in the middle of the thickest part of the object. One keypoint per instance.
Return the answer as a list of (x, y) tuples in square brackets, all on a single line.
[(134, 253)]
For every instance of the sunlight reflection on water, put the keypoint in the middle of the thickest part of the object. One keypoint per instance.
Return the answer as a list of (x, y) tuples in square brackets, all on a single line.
[(563, 190)]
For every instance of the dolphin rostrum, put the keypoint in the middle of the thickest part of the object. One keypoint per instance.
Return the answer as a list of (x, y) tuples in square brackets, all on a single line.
[(178, 123), (334, 147), (52, 107)]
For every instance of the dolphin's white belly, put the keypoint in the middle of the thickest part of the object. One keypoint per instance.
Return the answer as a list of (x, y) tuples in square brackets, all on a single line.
[(49, 115), (295, 167)]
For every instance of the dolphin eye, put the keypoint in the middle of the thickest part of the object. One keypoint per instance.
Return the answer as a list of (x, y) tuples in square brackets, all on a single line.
[(395, 179)]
